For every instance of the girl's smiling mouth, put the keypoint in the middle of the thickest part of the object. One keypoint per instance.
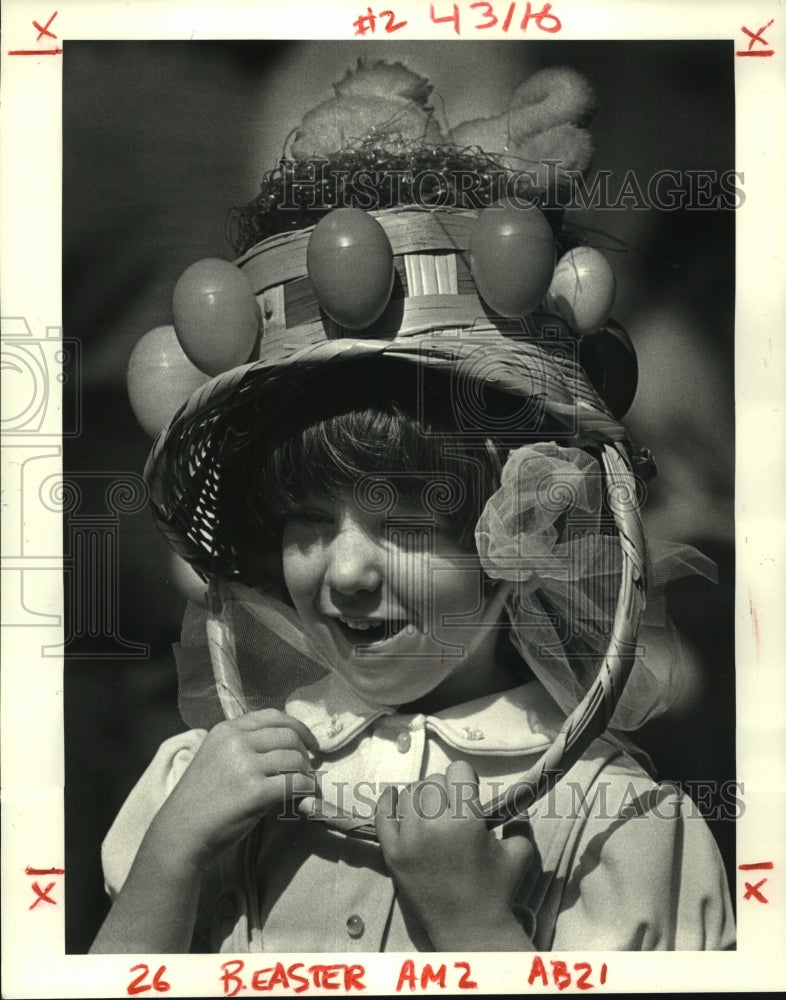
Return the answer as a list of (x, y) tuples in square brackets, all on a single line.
[(370, 631)]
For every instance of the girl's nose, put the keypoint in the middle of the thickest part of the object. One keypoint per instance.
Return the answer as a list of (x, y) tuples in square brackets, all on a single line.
[(355, 561)]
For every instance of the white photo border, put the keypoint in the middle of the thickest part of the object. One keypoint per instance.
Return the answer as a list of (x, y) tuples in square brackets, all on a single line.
[(34, 963)]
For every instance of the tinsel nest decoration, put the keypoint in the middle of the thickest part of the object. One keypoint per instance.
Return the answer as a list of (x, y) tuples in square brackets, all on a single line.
[(296, 193)]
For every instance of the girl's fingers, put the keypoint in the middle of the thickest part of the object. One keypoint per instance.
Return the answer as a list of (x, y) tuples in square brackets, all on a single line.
[(277, 738), (427, 799), (462, 789), (515, 840), (285, 762), (520, 853), (518, 826), (272, 718), (386, 819), (287, 786)]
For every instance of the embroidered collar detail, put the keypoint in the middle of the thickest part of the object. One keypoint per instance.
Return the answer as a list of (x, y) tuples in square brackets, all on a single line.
[(520, 721), (332, 711)]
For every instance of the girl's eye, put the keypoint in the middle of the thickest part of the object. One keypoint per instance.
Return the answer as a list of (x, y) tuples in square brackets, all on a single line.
[(418, 516), (311, 515)]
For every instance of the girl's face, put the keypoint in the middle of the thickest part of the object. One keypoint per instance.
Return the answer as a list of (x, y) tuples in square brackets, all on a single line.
[(390, 599)]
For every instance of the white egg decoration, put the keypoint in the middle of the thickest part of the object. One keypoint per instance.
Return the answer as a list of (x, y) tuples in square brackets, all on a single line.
[(582, 289), (160, 378)]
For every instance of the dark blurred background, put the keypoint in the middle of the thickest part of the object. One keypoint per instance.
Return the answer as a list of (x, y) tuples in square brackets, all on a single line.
[(160, 139)]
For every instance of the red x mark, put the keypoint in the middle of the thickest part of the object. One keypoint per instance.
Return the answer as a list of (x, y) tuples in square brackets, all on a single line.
[(42, 895), (56, 51), (50, 34), (756, 37), (753, 891)]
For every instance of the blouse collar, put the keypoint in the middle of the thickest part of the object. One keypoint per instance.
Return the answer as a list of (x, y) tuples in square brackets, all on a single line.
[(519, 721)]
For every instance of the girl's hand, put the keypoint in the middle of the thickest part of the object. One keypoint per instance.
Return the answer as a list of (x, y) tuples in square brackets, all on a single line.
[(457, 877), (243, 768)]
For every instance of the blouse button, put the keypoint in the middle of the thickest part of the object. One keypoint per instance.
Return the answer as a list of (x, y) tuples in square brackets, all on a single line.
[(355, 926), (403, 742)]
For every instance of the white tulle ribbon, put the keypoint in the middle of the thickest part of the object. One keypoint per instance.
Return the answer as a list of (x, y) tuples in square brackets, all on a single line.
[(546, 530)]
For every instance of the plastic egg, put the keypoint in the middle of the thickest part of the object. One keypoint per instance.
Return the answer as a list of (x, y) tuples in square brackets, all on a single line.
[(512, 255), (350, 263), (609, 358), (187, 580), (160, 378), (582, 289), (216, 315)]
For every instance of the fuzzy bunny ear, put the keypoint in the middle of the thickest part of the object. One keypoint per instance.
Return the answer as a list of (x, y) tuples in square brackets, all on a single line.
[(545, 121), (377, 101), (384, 79), (552, 97)]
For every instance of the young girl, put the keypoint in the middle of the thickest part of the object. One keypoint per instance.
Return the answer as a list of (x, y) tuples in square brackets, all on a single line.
[(420, 535)]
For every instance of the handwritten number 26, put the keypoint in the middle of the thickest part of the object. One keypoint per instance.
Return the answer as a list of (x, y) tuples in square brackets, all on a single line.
[(137, 986)]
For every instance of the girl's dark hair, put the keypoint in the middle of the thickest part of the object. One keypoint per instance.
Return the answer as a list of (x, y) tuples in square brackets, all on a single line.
[(382, 439), (382, 456)]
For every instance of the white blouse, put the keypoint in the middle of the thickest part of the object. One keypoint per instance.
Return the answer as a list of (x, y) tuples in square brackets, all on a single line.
[(621, 863)]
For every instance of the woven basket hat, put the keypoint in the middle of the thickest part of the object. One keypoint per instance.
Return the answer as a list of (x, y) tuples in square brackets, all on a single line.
[(516, 372), (435, 319), (435, 322)]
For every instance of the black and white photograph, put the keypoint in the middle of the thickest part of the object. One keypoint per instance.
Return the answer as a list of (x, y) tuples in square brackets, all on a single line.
[(403, 481)]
